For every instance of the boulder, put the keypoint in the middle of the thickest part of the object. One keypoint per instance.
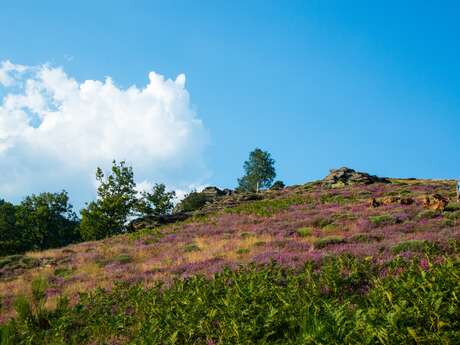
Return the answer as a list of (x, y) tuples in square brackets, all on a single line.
[(388, 200), (154, 221), (346, 176), (435, 202)]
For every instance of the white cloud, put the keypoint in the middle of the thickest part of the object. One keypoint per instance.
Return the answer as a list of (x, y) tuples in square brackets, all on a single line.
[(8, 71), (54, 131)]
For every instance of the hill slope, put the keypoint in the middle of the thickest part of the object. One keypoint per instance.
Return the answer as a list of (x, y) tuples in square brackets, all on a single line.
[(298, 224)]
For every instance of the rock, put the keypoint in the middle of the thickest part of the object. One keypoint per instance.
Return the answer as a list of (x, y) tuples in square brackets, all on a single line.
[(435, 202), (346, 176), (212, 192), (154, 221), (388, 200)]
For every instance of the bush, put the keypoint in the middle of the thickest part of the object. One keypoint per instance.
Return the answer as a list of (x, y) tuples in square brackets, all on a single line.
[(411, 246), (191, 247), (365, 237), (123, 258), (451, 207), (328, 240), (428, 214), (192, 202), (305, 231), (278, 185), (383, 219)]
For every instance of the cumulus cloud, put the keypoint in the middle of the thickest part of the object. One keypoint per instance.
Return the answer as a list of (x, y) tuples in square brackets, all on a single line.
[(54, 131)]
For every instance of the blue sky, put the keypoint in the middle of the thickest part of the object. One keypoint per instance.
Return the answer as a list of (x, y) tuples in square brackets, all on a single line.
[(319, 84)]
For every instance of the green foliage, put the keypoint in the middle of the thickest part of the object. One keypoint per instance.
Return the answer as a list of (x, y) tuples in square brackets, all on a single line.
[(116, 202), (123, 258), (268, 207), (47, 220), (347, 301), (453, 215), (412, 246), (365, 237), (328, 240), (241, 251), (277, 185), (192, 202), (428, 214), (40, 221), (383, 219), (259, 171), (158, 202), (452, 207), (304, 231), (331, 198), (191, 247), (11, 240)]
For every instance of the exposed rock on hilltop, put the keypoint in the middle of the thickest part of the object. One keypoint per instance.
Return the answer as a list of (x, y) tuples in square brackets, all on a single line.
[(346, 176)]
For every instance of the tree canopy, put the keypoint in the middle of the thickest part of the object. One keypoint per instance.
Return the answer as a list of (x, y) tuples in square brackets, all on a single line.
[(259, 171), (115, 204)]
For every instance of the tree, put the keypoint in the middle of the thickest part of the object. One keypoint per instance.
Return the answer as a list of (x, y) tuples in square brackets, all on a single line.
[(192, 201), (158, 202), (10, 238), (116, 203), (260, 171), (46, 220)]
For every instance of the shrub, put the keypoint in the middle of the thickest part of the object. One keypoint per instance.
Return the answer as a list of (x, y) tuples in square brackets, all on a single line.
[(305, 231), (192, 202), (428, 214), (123, 258), (383, 219), (326, 241), (242, 251), (454, 215), (322, 222), (451, 207), (365, 237), (191, 247), (411, 245), (246, 235), (63, 272), (277, 185)]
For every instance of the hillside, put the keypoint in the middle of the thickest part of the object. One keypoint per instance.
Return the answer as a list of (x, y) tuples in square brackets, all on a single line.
[(374, 224)]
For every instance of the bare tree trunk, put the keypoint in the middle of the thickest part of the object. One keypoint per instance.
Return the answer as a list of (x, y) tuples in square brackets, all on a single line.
[(257, 187)]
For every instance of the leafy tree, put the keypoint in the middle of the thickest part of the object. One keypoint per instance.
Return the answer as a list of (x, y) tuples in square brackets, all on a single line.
[(116, 203), (192, 201), (158, 202), (260, 171), (278, 185), (10, 238), (46, 220)]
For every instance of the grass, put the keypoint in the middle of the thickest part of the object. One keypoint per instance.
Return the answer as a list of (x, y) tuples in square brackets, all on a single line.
[(304, 231), (328, 240), (411, 245), (383, 219), (269, 207), (348, 301)]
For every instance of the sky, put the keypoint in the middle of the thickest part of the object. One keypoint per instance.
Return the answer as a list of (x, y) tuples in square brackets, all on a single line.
[(184, 90)]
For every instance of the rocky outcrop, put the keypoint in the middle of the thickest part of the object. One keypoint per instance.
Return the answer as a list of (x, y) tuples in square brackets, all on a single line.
[(388, 200), (346, 176), (154, 221), (435, 202)]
